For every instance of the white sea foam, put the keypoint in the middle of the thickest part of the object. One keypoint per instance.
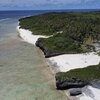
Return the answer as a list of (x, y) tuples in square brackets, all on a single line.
[(4, 19)]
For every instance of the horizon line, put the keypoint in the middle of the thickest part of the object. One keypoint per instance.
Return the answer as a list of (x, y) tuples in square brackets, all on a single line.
[(51, 9)]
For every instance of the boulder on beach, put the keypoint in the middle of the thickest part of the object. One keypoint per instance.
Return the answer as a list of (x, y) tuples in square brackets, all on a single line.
[(95, 83), (75, 91)]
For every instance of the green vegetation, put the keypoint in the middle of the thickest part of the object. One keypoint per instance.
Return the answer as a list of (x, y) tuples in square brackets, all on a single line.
[(73, 32), (88, 73), (98, 53), (61, 44)]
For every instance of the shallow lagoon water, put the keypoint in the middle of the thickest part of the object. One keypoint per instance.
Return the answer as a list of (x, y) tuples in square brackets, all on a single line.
[(24, 73)]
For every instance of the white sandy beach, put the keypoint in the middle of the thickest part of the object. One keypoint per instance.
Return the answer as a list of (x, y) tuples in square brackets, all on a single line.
[(90, 93), (67, 62), (27, 35)]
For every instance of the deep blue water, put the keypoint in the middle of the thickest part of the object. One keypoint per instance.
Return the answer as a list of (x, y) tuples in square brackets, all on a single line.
[(9, 22), (18, 14)]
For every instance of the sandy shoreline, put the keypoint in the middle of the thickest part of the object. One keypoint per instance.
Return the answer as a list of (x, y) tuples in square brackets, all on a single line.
[(23, 73), (51, 72), (30, 38), (66, 62)]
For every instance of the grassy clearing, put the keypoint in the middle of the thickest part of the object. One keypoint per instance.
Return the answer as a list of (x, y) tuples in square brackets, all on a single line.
[(98, 53)]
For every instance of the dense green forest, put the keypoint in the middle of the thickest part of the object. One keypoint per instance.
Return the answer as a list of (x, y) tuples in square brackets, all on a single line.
[(74, 32)]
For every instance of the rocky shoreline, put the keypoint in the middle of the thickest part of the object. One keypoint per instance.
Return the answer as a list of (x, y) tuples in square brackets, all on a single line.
[(45, 50), (69, 83), (74, 84)]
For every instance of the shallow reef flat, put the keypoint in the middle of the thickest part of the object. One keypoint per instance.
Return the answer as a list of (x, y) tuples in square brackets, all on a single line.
[(24, 74)]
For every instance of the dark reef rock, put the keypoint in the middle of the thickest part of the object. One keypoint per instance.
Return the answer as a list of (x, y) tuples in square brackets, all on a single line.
[(70, 83), (75, 92), (47, 52), (95, 83)]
